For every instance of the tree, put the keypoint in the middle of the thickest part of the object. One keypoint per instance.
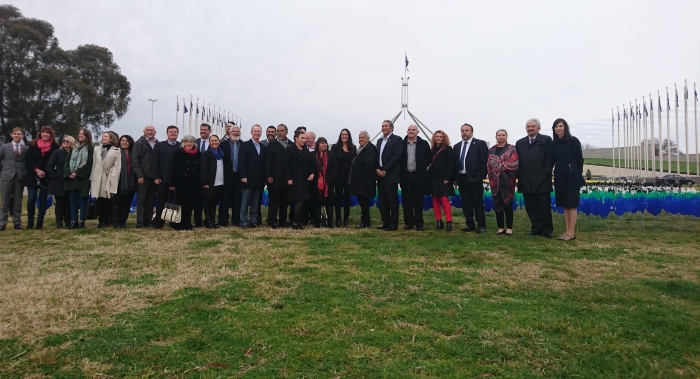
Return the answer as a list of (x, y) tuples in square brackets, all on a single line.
[(664, 146), (588, 146), (41, 84)]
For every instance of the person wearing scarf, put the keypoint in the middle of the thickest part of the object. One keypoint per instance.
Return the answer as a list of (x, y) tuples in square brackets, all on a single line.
[(36, 180), (104, 179), (54, 169), (502, 167), (323, 183), (185, 182), (76, 173), (127, 182), (212, 178)]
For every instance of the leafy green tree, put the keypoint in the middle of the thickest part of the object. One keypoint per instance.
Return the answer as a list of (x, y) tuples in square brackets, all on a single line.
[(41, 84)]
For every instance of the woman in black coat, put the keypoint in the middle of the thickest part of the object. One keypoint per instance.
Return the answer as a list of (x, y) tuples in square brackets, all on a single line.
[(326, 170), (212, 177), (344, 152), (36, 180), (363, 181), (440, 177), (299, 169), (185, 180), (54, 169), (568, 174)]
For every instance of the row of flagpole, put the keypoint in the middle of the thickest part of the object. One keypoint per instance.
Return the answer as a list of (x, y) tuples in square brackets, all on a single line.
[(634, 140), (210, 115)]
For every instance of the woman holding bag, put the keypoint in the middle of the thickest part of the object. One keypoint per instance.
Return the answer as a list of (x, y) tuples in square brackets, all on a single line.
[(440, 174), (186, 181)]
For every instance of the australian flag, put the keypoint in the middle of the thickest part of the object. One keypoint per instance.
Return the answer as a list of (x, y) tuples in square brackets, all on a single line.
[(406, 56)]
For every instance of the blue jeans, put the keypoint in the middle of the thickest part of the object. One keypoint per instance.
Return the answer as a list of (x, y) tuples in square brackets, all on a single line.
[(77, 202), (250, 198), (43, 195)]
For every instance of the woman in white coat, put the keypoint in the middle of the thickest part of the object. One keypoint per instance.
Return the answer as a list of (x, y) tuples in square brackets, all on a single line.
[(104, 180)]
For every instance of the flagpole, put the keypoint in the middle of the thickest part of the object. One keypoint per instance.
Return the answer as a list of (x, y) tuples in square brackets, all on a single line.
[(651, 133), (625, 139), (638, 143), (697, 151), (177, 108), (196, 115), (678, 141), (183, 112), (661, 141), (668, 130), (613, 142), (190, 121), (644, 144), (633, 144), (687, 146), (619, 173)]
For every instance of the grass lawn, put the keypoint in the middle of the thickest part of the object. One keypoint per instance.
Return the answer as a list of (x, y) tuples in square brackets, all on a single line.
[(623, 300), (674, 168)]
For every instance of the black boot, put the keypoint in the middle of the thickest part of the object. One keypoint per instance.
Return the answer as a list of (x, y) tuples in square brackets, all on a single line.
[(438, 225), (30, 223), (59, 218), (448, 228), (337, 222), (39, 223), (59, 224), (73, 225), (81, 224)]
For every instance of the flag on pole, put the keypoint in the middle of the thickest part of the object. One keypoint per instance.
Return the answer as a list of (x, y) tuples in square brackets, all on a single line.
[(177, 109), (184, 106), (645, 109), (668, 102), (190, 103), (677, 98), (696, 95), (197, 106), (624, 112), (618, 115), (406, 56)]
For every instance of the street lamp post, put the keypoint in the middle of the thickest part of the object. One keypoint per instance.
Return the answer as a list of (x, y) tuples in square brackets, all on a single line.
[(152, 102)]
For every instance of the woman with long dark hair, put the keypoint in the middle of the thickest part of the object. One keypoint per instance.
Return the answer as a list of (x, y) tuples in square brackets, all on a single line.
[(344, 152), (502, 168), (326, 167), (568, 174), (299, 171), (76, 173), (54, 170), (441, 178), (36, 180), (212, 178), (127, 182)]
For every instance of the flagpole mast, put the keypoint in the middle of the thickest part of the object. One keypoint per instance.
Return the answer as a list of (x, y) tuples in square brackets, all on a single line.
[(668, 130), (645, 144), (183, 112), (190, 121), (633, 145), (627, 144), (661, 141), (613, 142), (177, 108), (678, 141), (697, 151), (638, 142), (651, 133), (685, 109), (618, 145)]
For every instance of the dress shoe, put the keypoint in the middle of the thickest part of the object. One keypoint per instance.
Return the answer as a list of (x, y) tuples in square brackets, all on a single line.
[(448, 227), (468, 229), (244, 227), (119, 225), (532, 234), (481, 229), (548, 235), (391, 228), (30, 224), (18, 227), (39, 224), (407, 227), (420, 228), (253, 226), (287, 224), (2, 228), (381, 227), (438, 225), (198, 225), (337, 223), (345, 224), (361, 226), (274, 225)]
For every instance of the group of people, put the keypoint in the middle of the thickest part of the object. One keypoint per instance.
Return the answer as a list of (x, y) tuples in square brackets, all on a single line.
[(311, 176)]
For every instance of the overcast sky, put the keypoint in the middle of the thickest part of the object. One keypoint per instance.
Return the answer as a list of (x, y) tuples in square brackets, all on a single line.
[(330, 64)]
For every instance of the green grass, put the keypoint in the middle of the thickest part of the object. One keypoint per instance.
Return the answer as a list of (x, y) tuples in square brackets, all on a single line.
[(674, 166), (620, 301)]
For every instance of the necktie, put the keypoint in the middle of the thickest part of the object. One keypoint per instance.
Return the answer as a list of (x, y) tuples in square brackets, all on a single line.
[(16, 151), (461, 157), (202, 149), (235, 157), (532, 140)]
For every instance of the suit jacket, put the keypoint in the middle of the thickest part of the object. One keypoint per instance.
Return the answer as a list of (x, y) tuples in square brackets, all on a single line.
[(12, 166), (274, 164), (230, 176), (198, 145), (161, 160), (362, 175), (535, 169), (475, 161), (422, 162), (390, 157), (141, 158), (252, 165)]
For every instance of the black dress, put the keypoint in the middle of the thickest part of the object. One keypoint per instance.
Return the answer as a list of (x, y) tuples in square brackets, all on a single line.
[(441, 169), (298, 165), (568, 171)]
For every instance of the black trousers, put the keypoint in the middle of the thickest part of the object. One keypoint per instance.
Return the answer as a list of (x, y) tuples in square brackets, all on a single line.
[(412, 200), (388, 199), (231, 200), (277, 205), (123, 206), (146, 195), (507, 212), (105, 207), (62, 209), (162, 191), (539, 209), (342, 197), (327, 203), (210, 203), (472, 194), (186, 206), (364, 207), (198, 208)]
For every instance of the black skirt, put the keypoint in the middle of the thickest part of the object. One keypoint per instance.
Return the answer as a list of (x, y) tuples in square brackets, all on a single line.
[(567, 199)]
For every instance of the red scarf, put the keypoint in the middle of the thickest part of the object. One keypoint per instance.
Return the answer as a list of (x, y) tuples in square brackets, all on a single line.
[(322, 168), (44, 146), (190, 152)]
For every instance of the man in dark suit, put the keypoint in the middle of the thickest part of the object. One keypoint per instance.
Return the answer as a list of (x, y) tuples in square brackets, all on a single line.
[(471, 156), (145, 188), (12, 159), (252, 174), (276, 181), (202, 146), (232, 182), (389, 149), (161, 166), (415, 157), (535, 177)]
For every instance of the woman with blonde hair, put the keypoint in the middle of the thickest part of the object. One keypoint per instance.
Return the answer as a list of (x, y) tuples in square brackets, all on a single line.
[(441, 177), (104, 179), (54, 170)]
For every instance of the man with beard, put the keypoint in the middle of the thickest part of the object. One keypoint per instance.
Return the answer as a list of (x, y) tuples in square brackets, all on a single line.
[(145, 188), (270, 135), (232, 183)]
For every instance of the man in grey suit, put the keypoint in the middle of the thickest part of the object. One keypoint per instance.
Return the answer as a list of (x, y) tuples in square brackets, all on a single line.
[(12, 157)]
